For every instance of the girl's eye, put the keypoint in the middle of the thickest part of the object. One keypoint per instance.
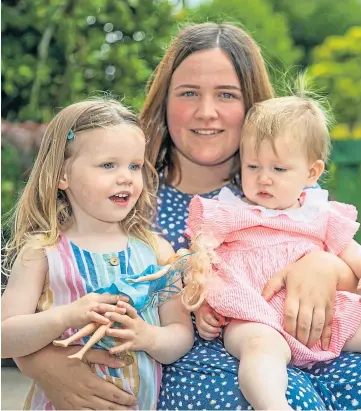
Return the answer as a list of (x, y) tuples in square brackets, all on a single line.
[(228, 96), (134, 167), (108, 166), (188, 94), (280, 169), (252, 166)]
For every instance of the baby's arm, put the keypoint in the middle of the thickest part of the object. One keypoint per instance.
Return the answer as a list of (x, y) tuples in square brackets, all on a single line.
[(351, 255), (209, 323), (23, 330)]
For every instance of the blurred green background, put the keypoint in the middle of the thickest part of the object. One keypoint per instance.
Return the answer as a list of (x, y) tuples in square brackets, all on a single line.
[(55, 52)]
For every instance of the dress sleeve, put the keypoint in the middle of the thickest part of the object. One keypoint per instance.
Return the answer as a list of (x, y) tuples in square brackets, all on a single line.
[(208, 217), (342, 226)]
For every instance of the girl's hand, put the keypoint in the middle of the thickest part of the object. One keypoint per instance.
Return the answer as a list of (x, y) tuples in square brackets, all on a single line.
[(311, 286), (135, 334), (89, 308), (208, 322)]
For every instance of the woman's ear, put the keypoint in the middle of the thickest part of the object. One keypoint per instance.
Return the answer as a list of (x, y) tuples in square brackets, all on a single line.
[(63, 183), (316, 169)]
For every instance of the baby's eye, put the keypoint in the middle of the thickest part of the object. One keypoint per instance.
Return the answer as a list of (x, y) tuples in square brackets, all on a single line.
[(134, 167), (280, 169), (108, 166), (252, 166)]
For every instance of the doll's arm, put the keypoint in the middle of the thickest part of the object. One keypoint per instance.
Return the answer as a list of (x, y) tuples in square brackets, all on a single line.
[(151, 277), (163, 271)]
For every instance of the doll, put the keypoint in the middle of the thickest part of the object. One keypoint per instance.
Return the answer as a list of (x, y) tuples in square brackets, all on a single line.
[(141, 290)]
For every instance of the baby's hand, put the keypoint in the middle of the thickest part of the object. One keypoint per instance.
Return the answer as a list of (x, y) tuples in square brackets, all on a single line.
[(135, 334), (208, 322), (89, 308)]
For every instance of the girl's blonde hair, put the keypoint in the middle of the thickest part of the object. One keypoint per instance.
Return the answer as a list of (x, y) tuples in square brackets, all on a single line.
[(302, 117), (247, 61), (43, 211)]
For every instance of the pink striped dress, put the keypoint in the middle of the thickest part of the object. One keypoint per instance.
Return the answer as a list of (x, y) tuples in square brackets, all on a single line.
[(75, 272), (254, 243)]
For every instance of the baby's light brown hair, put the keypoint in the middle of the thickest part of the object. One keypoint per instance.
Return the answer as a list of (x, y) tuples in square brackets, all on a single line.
[(298, 118)]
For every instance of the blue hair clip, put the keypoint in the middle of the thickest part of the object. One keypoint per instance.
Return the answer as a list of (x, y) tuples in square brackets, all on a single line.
[(70, 135)]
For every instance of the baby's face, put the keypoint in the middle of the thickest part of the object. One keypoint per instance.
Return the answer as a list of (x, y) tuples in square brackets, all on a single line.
[(275, 179)]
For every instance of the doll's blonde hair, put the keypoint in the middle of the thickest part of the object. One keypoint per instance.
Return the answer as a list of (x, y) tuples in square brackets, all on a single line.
[(43, 211), (303, 117), (199, 271)]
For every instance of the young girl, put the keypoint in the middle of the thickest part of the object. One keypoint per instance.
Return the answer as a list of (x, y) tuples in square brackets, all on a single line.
[(81, 223), (241, 244)]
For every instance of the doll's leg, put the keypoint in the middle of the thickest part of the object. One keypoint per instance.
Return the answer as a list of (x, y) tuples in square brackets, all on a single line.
[(88, 329), (98, 335), (264, 355), (354, 343), (151, 277)]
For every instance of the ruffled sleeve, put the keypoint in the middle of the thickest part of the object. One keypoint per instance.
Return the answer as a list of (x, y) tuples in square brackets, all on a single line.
[(216, 218), (208, 217), (341, 227)]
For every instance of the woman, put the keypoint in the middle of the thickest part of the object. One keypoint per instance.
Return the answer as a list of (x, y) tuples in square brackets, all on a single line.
[(209, 77)]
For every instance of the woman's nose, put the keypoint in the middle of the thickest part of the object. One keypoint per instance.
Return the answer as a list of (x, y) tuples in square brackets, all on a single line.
[(207, 108)]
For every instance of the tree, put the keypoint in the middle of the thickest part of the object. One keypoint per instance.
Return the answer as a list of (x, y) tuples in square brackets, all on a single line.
[(336, 69), (312, 21), (268, 28), (55, 52)]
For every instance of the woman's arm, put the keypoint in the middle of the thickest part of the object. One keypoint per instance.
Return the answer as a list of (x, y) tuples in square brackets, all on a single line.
[(351, 255), (311, 285), (71, 385)]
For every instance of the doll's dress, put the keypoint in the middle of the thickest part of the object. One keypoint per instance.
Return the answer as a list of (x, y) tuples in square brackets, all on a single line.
[(254, 243)]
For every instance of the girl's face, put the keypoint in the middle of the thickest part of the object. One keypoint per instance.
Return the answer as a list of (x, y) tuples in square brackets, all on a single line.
[(103, 180), (205, 109), (275, 180)]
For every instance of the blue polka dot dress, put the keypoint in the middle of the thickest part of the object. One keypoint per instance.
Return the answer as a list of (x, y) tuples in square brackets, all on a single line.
[(207, 377)]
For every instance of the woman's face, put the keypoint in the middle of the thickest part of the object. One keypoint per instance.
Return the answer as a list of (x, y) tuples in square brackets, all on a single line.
[(205, 109)]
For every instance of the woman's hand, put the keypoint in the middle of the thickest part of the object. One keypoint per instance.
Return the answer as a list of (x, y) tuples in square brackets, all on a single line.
[(208, 322), (70, 384), (311, 286)]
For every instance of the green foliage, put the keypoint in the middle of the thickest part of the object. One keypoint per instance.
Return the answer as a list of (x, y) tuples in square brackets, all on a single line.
[(55, 52), (311, 21), (336, 69), (268, 28), (12, 175)]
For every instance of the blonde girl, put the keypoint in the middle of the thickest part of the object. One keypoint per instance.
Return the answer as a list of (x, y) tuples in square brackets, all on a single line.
[(82, 222)]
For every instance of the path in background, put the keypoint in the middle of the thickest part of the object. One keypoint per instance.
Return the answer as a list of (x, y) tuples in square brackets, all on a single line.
[(14, 387)]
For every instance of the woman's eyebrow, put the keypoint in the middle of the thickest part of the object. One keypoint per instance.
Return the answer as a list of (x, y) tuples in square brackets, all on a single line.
[(187, 86), (228, 87), (220, 87)]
